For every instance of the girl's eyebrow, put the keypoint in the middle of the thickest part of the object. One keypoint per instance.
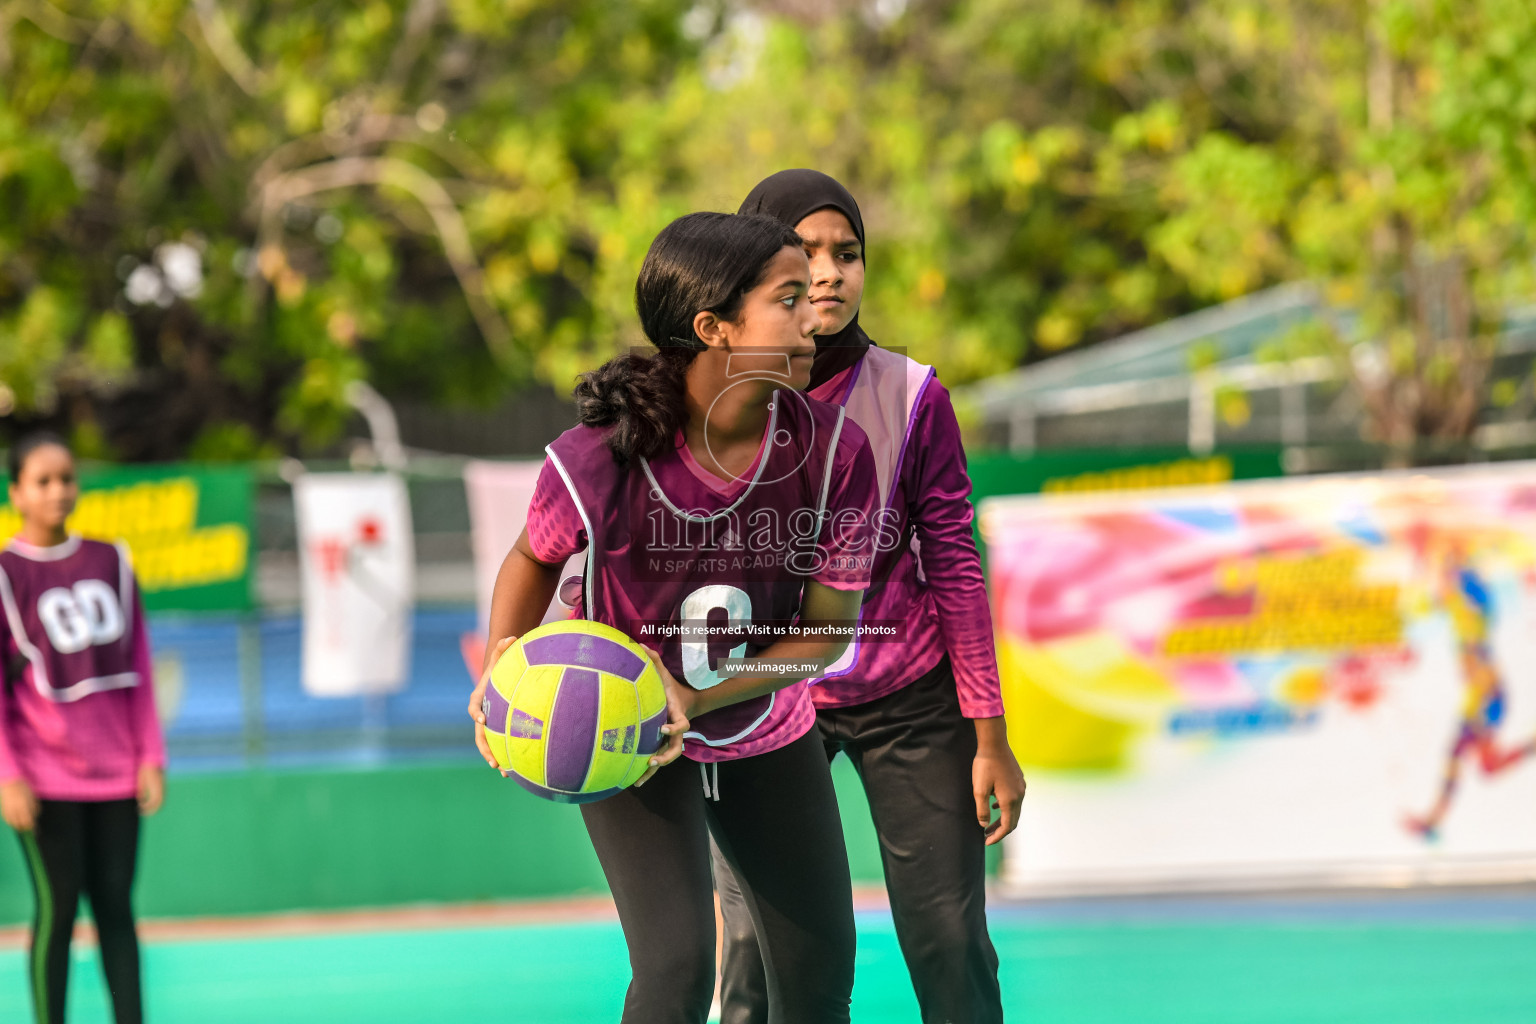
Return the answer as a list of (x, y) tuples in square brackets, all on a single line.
[(791, 282), (841, 243)]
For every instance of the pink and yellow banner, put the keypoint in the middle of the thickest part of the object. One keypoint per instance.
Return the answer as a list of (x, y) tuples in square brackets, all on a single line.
[(1301, 680)]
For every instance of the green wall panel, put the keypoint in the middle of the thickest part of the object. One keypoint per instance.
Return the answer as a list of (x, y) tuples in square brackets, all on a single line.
[(266, 841)]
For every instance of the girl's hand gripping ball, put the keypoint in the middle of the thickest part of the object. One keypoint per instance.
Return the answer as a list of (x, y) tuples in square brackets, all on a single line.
[(575, 711)]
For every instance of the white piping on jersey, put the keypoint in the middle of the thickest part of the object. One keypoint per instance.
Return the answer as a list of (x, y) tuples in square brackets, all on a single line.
[(850, 653), (96, 684), (13, 616), (762, 464), (821, 507), (691, 735), (125, 590), (913, 392), (68, 694), (53, 553), (845, 664), (906, 438), (581, 510), (826, 478)]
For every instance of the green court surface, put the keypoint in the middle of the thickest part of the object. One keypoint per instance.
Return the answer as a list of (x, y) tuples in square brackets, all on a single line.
[(1361, 961)]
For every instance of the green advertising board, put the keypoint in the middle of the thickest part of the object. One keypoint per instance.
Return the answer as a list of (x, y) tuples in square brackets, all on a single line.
[(188, 527), (1077, 470)]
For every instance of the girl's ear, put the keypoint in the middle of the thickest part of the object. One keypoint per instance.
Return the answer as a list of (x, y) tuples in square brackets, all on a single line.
[(711, 330)]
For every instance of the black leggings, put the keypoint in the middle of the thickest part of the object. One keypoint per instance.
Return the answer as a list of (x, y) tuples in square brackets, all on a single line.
[(91, 847), (775, 819), (913, 751)]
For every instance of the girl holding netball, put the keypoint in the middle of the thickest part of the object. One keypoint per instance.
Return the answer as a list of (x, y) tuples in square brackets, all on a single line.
[(706, 489), (81, 755), (921, 718)]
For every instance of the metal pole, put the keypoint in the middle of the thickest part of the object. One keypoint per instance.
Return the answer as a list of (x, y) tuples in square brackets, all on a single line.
[(375, 726), (252, 717), (1202, 413), (1021, 429), (380, 416), (385, 429), (1293, 412)]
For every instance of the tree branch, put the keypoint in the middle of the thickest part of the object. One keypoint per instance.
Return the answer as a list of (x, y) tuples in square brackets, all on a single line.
[(55, 22), (349, 172), (371, 130), (418, 25), (226, 49)]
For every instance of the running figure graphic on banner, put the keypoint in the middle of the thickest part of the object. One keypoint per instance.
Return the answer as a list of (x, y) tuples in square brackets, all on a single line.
[(1468, 600)]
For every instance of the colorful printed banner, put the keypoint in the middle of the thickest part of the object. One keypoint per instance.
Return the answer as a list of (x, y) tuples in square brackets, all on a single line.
[(357, 566), (1316, 679), (188, 527)]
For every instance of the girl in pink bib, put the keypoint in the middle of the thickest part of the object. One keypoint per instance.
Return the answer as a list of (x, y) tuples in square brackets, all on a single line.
[(81, 755)]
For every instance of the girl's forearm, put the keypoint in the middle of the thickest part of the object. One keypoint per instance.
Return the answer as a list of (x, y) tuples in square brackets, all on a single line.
[(524, 588), (823, 608)]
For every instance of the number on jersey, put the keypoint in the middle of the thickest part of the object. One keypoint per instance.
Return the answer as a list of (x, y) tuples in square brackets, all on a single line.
[(736, 604)]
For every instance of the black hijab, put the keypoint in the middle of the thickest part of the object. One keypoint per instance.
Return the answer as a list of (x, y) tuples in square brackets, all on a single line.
[(790, 197)]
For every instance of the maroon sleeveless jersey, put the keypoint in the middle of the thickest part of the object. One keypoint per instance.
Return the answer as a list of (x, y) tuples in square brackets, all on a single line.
[(700, 576), (70, 612)]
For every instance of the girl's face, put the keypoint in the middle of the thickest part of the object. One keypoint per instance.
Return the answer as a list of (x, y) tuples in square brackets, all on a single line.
[(773, 335), (45, 493), (837, 267)]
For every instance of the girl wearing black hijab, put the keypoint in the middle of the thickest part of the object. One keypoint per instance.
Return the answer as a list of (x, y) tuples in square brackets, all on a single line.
[(921, 717)]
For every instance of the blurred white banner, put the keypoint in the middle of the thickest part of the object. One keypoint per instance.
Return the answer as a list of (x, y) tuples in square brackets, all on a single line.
[(357, 563), (499, 493)]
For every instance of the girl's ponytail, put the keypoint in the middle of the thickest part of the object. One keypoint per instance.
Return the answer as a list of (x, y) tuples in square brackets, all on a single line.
[(641, 397)]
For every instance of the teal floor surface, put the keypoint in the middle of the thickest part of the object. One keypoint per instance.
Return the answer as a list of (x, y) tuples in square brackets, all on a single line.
[(1190, 962)]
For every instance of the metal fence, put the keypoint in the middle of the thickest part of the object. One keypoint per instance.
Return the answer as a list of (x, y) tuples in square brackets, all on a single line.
[(1143, 389)]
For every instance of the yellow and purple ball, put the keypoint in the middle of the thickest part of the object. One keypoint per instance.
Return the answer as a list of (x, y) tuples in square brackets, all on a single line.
[(574, 711)]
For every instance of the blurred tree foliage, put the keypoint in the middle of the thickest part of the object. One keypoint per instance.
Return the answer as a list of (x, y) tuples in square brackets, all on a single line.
[(217, 213)]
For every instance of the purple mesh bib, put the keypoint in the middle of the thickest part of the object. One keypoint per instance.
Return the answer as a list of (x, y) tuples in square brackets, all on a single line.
[(70, 610), (702, 576)]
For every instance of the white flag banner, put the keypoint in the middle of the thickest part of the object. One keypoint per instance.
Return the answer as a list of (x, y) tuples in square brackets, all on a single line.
[(499, 493), (357, 565)]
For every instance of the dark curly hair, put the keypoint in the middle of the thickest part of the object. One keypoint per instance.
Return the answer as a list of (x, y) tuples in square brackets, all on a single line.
[(704, 262)]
